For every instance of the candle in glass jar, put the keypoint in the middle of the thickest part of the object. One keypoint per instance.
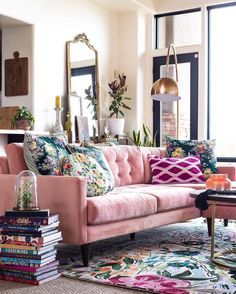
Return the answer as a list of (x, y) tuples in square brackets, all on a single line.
[(58, 102)]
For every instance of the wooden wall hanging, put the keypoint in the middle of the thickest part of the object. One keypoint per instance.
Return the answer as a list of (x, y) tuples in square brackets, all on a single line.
[(16, 76), (6, 116)]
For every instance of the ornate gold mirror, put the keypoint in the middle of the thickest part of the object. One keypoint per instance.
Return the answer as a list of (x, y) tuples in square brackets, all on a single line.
[(83, 90)]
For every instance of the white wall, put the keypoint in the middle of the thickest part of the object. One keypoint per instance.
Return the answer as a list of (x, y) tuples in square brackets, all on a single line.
[(55, 22)]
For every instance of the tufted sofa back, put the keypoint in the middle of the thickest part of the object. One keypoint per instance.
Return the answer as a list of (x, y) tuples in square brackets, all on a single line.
[(129, 164)]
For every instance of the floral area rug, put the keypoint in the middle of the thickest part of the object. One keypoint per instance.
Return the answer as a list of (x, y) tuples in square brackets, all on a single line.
[(170, 259)]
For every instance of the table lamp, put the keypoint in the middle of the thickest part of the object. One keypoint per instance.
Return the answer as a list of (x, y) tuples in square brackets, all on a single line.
[(166, 89)]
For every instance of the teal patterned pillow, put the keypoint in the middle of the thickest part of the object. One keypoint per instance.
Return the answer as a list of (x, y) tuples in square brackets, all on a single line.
[(43, 153), (98, 155), (203, 148), (78, 164)]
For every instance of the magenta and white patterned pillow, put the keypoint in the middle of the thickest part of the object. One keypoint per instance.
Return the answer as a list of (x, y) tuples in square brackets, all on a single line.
[(176, 170)]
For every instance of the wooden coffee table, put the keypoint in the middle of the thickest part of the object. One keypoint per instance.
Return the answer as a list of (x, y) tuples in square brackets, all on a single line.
[(214, 200)]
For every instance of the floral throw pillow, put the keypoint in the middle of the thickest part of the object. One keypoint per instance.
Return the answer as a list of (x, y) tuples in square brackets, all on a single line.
[(78, 164), (43, 153), (203, 148), (98, 155)]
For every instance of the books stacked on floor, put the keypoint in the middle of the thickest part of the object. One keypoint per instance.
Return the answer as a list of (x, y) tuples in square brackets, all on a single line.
[(27, 246)]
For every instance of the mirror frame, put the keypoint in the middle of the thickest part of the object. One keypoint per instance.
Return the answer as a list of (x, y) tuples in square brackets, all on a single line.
[(83, 39)]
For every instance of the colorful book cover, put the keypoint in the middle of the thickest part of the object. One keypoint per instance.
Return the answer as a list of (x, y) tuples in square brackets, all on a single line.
[(3, 244), (31, 234), (42, 271), (27, 213), (28, 221), (29, 276), (29, 228), (30, 256), (26, 262), (31, 282), (30, 268), (28, 240), (39, 251)]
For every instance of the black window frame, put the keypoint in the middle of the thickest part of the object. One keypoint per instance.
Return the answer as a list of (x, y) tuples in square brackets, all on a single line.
[(209, 9)]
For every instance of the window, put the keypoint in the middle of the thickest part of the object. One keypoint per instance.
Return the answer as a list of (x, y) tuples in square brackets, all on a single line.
[(181, 28), (222, 64)]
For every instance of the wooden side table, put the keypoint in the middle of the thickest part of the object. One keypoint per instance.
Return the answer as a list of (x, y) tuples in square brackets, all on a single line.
[(214, 200)]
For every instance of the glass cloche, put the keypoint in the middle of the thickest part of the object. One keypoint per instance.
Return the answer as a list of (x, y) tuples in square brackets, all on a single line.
[(25, 194)]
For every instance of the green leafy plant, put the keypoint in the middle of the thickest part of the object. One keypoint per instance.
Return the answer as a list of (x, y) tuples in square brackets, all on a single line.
[(117, 91), (24, 195), (23, 112), (148, 141), (92, 102)]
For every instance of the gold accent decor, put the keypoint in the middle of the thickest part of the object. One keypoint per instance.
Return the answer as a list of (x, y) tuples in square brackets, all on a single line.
[(82, 38), (166, 89)]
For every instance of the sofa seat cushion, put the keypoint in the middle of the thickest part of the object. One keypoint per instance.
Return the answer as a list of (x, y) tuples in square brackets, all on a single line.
[(138, 200)]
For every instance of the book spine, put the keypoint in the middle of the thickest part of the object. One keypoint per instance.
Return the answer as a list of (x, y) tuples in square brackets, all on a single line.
[(21, 251), (13, 246), (19, 280), (40, 213), (21, 240), (20, 263), (20, 255), (20, 228), (28, 221), (16, 260), (17, 275)]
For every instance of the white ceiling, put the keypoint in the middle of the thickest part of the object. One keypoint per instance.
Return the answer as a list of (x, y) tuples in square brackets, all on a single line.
[(126, 5), (7, 22)]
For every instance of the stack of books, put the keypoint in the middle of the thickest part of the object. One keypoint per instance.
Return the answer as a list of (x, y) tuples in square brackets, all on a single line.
[(27, 246)]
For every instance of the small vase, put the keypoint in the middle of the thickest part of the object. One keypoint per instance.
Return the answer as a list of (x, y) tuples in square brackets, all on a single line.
[(218, 182)]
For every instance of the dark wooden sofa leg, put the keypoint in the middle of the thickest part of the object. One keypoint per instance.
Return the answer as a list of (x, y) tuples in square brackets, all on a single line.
[(209, 222), (85, 252), (226, 222), (132, 236)]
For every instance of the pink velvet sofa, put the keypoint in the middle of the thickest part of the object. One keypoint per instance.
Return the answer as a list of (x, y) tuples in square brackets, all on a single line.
[(134, 205)]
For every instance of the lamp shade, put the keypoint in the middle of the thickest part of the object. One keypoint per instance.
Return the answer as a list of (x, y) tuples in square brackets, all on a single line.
[(165, 89)]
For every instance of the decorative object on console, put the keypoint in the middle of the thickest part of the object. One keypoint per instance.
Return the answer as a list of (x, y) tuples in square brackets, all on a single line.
[(203, 148), (25, 195), (218, 182), (81, 59), (166, 89), (58, 125), (117, 91), (176, 170), (43, 153), (6, 116), (148, 141), (16, 76), (23, 119)]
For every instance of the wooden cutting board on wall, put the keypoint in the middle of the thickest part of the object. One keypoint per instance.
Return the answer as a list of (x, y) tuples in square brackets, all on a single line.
[(16, 76)]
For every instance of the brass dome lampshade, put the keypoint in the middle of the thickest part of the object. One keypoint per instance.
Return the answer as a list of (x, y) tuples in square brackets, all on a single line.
[(166, 89)]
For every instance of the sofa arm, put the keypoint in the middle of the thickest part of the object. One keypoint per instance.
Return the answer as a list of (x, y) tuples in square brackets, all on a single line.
[(63, 195), (4, 168), (228, 168)]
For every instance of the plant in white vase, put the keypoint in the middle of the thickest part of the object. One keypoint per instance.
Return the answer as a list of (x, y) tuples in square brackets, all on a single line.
[(117, 91)]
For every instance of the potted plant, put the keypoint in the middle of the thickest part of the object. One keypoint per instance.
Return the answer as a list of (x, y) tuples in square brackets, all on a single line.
[(23, 119), (117, 92)]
